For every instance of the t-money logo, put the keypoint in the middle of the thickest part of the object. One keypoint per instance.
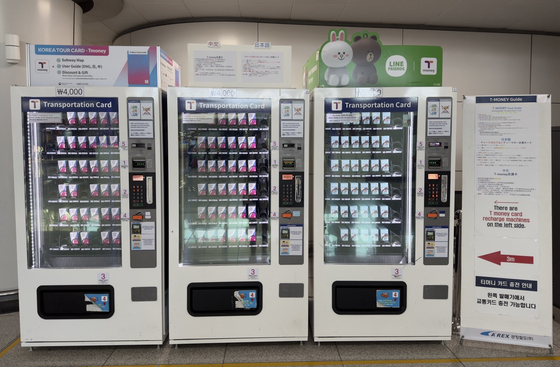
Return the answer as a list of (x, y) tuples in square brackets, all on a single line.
[(190, 105), (336, 105), (428, 66), (42, 66), (35, 104)]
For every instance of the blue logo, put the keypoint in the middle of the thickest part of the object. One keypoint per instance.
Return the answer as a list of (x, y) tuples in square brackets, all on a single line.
[(494, 334)]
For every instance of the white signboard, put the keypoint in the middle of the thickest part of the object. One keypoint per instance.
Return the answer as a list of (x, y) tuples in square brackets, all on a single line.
[(262, 67), (507, 238), (239, 66)]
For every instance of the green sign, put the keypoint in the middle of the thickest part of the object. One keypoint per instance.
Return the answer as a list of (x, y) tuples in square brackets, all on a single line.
[(363, 61)]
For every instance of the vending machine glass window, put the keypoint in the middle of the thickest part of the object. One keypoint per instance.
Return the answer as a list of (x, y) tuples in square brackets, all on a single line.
[(72, 184), (224, 165), (369, 180)]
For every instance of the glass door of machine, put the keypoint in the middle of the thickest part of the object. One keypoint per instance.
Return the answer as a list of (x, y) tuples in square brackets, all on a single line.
[(72, 182), (369, 178), (224, 165)]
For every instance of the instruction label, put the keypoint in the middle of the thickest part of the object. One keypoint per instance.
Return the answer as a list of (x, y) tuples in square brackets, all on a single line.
[(143, 236), (262, 67), (215, 66), (291, 240)]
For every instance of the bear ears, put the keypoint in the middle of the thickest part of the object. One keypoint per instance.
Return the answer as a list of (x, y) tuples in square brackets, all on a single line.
[(357, 38)]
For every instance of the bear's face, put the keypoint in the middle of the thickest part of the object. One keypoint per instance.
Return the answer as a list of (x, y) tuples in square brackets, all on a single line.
[(366, 50)]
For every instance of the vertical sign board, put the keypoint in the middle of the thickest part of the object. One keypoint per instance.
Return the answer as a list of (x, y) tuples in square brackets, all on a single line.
[(506, 294)]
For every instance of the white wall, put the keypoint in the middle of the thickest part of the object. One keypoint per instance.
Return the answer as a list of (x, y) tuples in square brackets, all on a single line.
[(35, 21), (474, 62)]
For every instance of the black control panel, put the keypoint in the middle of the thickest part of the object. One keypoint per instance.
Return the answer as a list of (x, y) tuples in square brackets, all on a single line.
[(437, 189), (291, 189), (142, 191)]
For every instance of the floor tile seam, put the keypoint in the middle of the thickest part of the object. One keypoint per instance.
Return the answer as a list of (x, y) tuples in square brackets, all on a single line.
[(338, 352), (9, 346), (109, 356), (453, 353)]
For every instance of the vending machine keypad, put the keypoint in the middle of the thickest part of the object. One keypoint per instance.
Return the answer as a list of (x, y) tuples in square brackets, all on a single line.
[(137, 192)]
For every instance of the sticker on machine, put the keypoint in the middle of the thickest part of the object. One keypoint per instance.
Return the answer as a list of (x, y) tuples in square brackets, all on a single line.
[(286, 111), (291, 240), (146, 110), (437, 242), (345, 118), (439, 127), (143, 236), (291, 129), (198, 118), (44, 117), (245, 299), (297, 111), (97, 302), (388, 298), (141, 129)]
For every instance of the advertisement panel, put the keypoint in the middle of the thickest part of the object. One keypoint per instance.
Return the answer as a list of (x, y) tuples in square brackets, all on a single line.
[(363, 61), (111, 66)]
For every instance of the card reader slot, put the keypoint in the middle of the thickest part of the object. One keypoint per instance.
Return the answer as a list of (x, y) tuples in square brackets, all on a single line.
[(298, 189), (444, 185), (149, 190)]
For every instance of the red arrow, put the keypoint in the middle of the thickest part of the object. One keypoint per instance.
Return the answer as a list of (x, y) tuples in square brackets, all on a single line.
[(497, 258)]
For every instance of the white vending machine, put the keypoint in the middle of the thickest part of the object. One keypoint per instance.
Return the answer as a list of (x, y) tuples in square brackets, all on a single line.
[(238, 164), (383, 202), (89, 212)]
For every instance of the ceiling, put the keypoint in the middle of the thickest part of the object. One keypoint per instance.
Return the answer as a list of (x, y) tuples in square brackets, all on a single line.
[(110, 18)]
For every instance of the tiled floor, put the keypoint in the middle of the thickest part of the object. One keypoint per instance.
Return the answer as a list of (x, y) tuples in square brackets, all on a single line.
[(396, 354)]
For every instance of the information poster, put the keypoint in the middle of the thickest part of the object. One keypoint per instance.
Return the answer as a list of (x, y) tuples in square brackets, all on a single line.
[(224, 66), (507, 240), (214, 66)]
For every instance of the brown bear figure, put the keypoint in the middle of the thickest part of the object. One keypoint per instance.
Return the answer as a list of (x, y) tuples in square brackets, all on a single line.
[(367, 50)]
